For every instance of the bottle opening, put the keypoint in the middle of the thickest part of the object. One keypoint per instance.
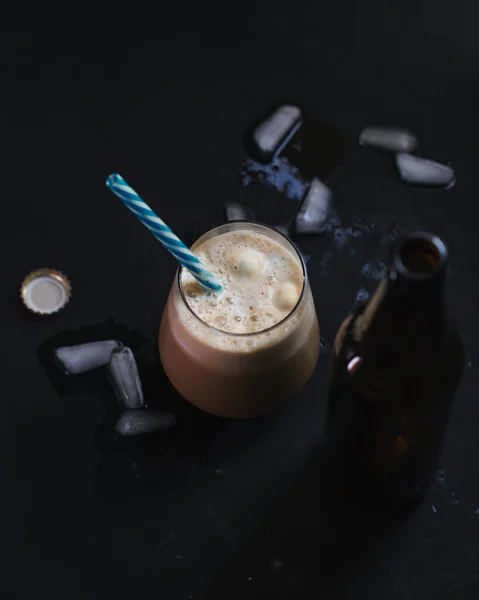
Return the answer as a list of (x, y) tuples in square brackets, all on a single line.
[(421, 255)]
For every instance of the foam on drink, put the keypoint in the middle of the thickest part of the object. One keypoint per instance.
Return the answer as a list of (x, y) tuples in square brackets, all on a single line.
[(262, 282)]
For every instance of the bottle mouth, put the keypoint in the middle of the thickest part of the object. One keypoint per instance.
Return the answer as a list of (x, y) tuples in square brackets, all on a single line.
[(420, 256)]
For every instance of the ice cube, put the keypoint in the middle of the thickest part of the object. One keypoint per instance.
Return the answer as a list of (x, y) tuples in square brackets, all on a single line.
[(238, 212), (276, 131), (421, 171), (85, 357), (313, 214), (138, 422), (396, 140), (125, 379)]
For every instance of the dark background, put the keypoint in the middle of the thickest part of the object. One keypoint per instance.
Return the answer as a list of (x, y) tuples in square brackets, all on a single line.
[(232, 509)]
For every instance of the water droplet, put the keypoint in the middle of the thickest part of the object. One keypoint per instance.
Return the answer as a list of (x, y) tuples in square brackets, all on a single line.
[(325, 259), (230, 300), (440, 477), (363, 225), (373, 269), (276, 565), (362, 296), (237, 318)]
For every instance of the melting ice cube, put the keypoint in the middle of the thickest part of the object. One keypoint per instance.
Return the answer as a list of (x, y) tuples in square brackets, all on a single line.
[(313, 214), (395, 140), (138, 422), (125, 379), (85, 357), (238, 212), (276, 131), (421, 171)]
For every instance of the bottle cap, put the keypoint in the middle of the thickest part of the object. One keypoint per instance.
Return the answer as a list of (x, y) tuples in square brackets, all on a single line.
[(45, 291)]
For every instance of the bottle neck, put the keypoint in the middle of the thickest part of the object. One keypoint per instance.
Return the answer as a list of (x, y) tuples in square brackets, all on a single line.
[(416, 294), (409, 302)]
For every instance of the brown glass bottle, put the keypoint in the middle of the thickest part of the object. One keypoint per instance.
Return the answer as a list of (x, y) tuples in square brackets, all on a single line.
[(397, 363)]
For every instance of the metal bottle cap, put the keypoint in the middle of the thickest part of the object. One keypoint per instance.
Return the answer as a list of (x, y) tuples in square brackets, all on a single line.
[(45, 291)]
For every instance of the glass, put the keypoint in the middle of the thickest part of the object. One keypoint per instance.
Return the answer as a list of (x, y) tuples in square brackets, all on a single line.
[(239, 374)]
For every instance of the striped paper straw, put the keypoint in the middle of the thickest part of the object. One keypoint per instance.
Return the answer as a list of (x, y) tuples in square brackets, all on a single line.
[(162, 232)]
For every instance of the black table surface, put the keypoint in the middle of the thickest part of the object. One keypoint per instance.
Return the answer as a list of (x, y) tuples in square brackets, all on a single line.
[(230, 509)]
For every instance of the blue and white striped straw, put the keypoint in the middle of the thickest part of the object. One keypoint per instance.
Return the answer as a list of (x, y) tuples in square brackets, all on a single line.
[(162, 232)]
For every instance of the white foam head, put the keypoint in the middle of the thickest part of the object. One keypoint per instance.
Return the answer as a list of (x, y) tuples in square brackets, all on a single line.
[(262, 283)]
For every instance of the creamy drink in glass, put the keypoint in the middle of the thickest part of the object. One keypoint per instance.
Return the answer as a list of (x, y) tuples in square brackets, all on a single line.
[(243, 351)]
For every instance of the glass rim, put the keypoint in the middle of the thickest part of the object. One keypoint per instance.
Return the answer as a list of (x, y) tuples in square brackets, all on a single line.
[(261, 331)]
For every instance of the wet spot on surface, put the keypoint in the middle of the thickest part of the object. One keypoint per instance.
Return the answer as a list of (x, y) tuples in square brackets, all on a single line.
[(280, 174), (373, 269)]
